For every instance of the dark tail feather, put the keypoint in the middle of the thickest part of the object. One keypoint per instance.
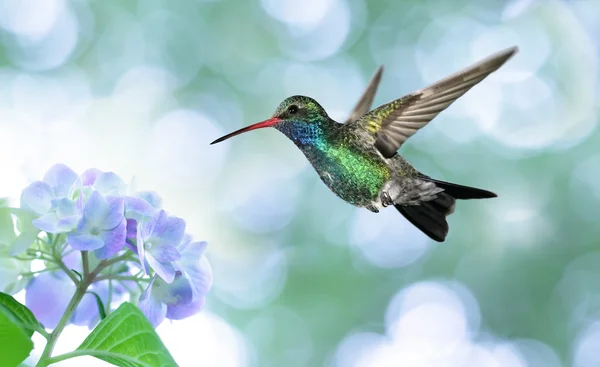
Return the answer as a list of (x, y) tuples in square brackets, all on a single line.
[(430, 216), (460, 191)]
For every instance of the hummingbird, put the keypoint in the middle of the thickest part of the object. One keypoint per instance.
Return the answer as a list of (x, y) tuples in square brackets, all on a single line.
[(358, 159)]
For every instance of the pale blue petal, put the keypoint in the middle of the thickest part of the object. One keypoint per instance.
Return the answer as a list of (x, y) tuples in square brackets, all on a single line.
[(47, 296), (51, 223), (116, 213), (96, 209), (89, 176), (147, 226), (137, 208), (185, 242), (37, 197), (169, 230), (152, 198), (196, 267), (114, 241), (165, 253), (108, 183), (61, 178), (164, 270), (192, 250), (84, 242), (200, 276), (154, 310), (142, 253), (65, 208)]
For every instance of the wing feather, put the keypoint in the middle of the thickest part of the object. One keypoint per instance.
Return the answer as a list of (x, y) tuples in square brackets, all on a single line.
[(395, 122), (366, 99)]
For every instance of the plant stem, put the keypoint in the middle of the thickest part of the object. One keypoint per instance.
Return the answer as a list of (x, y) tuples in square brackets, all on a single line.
[(82, 287), (67, 271), (86, 264), (71, 307), (121, 277)]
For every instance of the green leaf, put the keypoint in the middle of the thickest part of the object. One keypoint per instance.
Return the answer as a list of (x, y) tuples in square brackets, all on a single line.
[(20, 314), (15, 345), (78, 274), (126, 339), (100, 305), (28, 232)]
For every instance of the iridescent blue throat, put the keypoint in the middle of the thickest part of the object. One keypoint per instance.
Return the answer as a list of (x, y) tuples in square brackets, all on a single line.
[(305, 134)]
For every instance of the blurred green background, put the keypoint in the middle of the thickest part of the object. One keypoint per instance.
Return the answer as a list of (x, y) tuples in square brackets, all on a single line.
[(302, 278)]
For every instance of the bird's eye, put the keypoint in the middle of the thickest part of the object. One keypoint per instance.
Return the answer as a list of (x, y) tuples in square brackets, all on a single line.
[(293, 109)]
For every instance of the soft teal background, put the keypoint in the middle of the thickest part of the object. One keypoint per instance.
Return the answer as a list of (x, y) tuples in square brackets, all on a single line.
[(302, 278)]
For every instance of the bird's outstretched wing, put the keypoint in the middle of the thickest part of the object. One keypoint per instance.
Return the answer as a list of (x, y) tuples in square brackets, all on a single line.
[(366, 100), (393, 123)]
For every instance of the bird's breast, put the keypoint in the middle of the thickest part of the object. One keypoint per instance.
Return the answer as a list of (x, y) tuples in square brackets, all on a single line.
[(354, 175)]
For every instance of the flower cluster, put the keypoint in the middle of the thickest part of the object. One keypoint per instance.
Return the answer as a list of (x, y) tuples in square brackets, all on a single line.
[(70, 221)]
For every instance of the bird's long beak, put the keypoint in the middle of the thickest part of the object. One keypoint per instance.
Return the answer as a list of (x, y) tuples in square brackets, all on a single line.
[(267, 123)]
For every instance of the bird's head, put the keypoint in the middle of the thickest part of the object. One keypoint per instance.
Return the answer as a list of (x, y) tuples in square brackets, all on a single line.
[(294, 113)]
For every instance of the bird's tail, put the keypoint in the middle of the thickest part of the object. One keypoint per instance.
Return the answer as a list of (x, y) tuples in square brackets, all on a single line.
[(430, 216)]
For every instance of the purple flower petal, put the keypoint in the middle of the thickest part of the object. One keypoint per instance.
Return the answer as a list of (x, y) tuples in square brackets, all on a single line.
[(179, 297), (72, 260), (65, 208), (84, 242), (179, 311), (87, 309), (114, 241), (137, 208), (96, 209), (115, 216), (61, 178), (154, 310), (131, 228), (169, 230), (165, 270), (108, 183), (165, 253), (47, 297), (87, 313), (89, 176), (37, 197), (147, 226)]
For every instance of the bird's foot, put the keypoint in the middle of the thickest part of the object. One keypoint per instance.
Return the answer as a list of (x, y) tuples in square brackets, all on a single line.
[(372, 208), (386, 200)]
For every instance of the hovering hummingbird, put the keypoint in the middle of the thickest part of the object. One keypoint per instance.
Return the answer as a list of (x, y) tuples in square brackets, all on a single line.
[(358, 160)]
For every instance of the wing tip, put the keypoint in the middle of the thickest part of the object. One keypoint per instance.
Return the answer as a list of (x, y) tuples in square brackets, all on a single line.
[(502, 56)]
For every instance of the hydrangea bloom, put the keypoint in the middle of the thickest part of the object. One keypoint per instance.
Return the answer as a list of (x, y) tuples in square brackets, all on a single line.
[(185, 295), (126, 235), (102, 226)]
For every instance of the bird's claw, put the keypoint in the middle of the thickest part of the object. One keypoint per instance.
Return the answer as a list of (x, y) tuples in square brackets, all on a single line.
[(372, 208), (386, 199)]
